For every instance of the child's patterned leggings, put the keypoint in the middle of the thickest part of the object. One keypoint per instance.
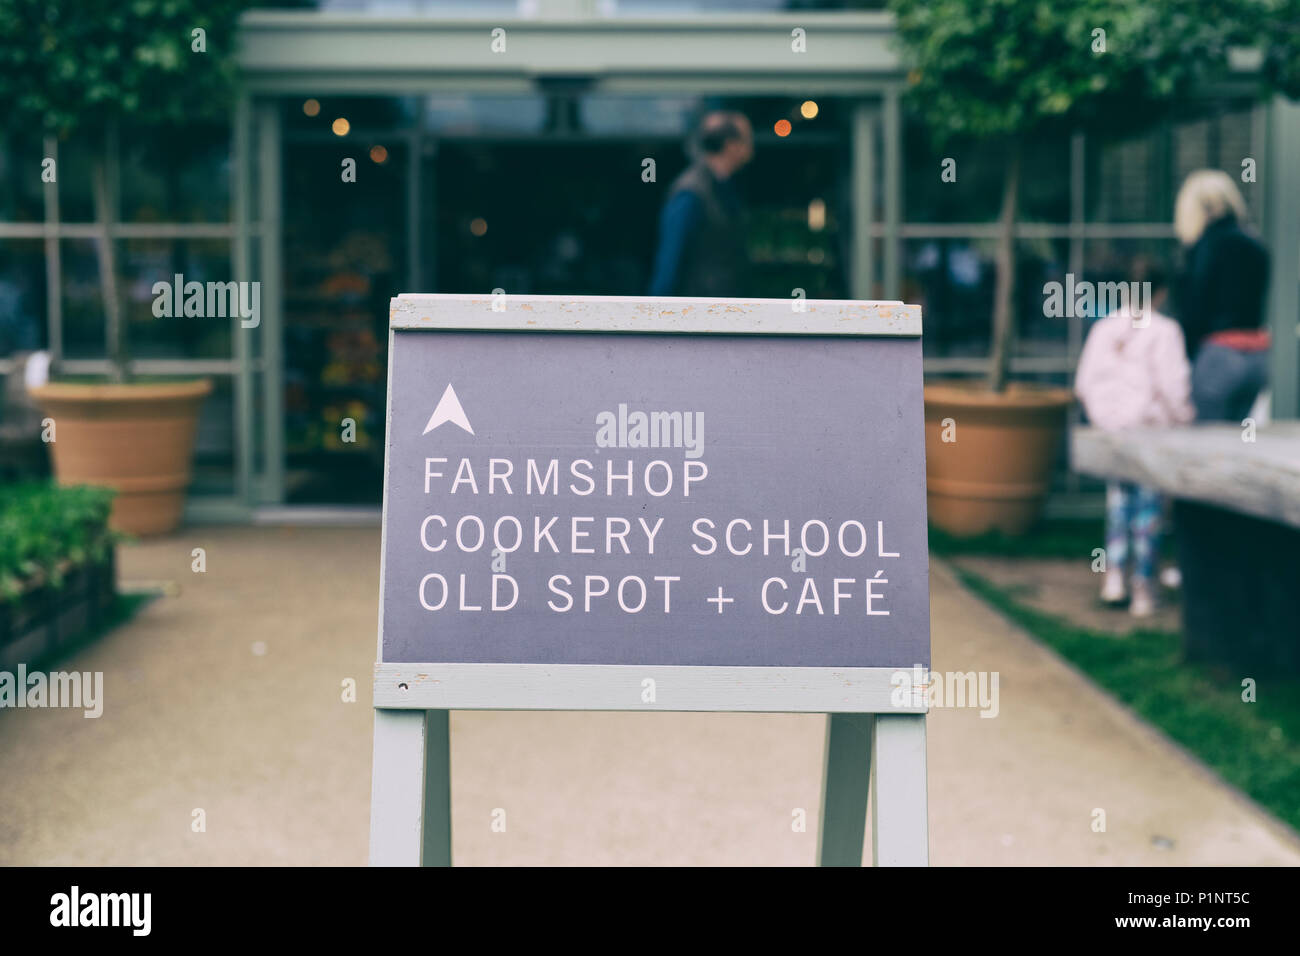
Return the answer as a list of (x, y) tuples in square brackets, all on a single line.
[(1132, 512)]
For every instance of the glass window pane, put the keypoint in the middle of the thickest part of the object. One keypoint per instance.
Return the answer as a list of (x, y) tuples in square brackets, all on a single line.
[(1136, 179), (76, 174), (1038, 333), (662, 115), (493, 228), (141, 264), (22, 296), (954, 282), (1045, 181), (319, 116), (1114, 260), (145, 262), (23, 198), (214, 443), (466, 114), (345, 255), (1220, 141), (1130, 180), (799, 221), (171, 178), (83, 304), (952, 279), (980, 167), (1236, 143)]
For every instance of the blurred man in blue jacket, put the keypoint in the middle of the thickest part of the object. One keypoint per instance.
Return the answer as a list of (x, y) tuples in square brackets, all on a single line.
[(701, 249)]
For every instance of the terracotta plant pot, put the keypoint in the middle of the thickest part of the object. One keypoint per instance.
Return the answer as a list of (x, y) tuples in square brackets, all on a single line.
[(993, 472), (135, 438)]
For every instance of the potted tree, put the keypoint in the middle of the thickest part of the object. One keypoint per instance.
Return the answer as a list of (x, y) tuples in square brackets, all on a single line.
[(1008, 72), (81, 72)]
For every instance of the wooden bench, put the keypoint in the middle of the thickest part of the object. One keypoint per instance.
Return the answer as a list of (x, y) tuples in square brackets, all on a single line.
[(1237, 521)]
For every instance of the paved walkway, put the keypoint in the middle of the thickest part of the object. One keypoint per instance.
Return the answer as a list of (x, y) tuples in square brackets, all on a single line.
[(227, 697), (1069, 589)]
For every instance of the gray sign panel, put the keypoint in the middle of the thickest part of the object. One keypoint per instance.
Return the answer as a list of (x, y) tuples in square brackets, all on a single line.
[(655, 499)]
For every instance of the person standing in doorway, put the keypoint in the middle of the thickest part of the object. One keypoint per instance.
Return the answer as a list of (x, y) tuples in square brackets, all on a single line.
[(1220, 297), (701, 248)]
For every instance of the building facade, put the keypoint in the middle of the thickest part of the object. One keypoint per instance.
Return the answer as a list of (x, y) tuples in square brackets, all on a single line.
[(512, 152)]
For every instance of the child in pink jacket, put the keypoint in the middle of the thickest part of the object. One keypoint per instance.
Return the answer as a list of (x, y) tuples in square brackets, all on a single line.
[(1134, 373)]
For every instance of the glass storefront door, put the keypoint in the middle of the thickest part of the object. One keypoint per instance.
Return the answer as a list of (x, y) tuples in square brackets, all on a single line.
[(528, 194), (345, 254)]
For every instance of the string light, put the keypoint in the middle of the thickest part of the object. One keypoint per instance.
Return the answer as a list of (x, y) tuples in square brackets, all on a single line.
[(817, 215)]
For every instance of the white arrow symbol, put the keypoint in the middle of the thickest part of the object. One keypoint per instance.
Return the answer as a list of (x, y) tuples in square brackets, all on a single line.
[(448, 410)]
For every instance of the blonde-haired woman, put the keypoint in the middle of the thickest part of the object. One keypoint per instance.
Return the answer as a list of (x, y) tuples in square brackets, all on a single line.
[(1220, 297)]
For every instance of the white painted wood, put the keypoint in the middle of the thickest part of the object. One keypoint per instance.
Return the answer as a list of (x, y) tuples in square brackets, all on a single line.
[(397, 788), (1207, 463), (303, 51), (597, 313), (900, 822), (383, 511), (437, 789), (846, 777), (318, 516), (859, 690)]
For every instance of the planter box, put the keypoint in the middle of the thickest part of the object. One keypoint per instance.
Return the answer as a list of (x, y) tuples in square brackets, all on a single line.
[(44, 621)]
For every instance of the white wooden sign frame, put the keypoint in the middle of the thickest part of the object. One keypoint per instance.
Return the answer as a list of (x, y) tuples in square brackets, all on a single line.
[(871, 744)]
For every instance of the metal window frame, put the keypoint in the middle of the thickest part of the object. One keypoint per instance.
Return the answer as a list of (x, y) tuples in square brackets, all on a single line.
[(52, 229)]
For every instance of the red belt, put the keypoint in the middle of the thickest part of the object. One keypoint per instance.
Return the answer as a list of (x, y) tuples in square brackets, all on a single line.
[(1243, 340)]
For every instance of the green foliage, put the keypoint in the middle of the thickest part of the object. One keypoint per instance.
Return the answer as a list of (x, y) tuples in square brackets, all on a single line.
[(1278, 29), (1016, 68), (84, 69), (68, 66), (45, 528), (1253, 746)]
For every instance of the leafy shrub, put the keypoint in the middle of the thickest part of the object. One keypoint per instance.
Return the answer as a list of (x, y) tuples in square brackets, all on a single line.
[(45, 530)]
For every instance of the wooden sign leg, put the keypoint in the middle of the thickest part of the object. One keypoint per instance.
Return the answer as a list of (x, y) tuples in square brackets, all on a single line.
[(410, 795), (900, 822), (845, 782)]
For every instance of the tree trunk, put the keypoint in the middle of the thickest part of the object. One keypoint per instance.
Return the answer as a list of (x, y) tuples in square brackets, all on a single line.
[(115, 328), (1004, 314)]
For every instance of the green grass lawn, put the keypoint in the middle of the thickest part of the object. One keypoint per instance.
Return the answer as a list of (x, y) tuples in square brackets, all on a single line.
[(1253, 746), (1050, 539), (1058, 538)]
